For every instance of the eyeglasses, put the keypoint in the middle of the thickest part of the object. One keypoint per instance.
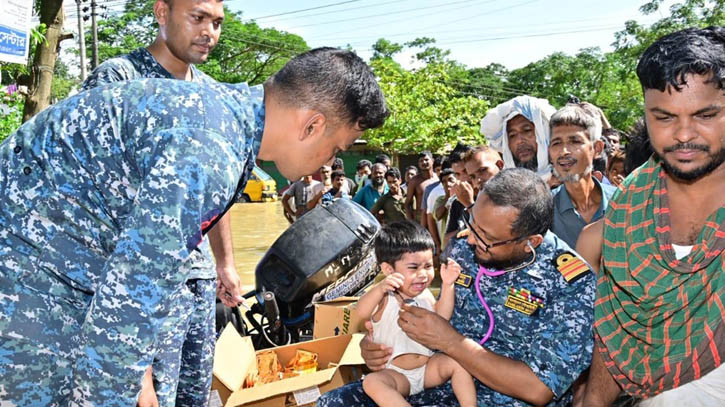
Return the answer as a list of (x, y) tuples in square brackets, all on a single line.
[(486, 246)]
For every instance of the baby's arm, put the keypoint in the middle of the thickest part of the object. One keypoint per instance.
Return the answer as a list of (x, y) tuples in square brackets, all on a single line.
[(447, 299), (367, 304)]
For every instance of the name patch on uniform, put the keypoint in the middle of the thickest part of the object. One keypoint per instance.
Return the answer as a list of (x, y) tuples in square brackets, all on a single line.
[(464, 280), (523, 301), (570, 266)]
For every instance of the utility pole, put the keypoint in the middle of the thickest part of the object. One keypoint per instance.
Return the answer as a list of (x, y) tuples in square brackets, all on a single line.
[(81, 40), (94, 30)]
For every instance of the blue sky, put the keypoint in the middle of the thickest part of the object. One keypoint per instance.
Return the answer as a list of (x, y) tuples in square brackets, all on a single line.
[(478, 32)]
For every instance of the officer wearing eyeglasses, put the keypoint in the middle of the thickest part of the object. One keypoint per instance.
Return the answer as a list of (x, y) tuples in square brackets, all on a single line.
[(538, 291)]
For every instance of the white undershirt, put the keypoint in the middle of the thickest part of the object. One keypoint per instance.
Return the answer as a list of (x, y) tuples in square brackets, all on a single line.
[(681, 251)]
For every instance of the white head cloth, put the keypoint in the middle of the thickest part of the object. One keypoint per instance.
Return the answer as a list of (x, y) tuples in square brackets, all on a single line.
[(537, 111)]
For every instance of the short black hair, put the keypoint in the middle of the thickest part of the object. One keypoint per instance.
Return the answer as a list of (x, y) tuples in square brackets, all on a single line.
[(334, 81), (338, 164), (638, 149), (336, 174), (438, 161), (393, 172), (381, 158), (523, 190), (411, 167), (425, 153), (696, 51), (599, 162), (399, 238), (445, 172), (364, 163)]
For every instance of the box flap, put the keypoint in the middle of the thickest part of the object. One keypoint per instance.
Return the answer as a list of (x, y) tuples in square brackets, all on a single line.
[(264, 391), (234, 356), (332, 352), (353, 355), (338, 300)]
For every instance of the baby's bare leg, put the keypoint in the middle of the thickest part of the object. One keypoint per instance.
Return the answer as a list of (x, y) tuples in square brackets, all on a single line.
[(440, 368), (387, 388)]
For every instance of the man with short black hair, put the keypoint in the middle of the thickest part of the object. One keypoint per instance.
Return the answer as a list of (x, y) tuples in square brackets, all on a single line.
[(350, 186), (417, 185), (660, 325), (522, 322), (104, 197), (182, 369), (370, 193), (392, 203), (364, 168)]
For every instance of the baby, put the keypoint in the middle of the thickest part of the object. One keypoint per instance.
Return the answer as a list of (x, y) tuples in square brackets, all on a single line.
[(405, 253)]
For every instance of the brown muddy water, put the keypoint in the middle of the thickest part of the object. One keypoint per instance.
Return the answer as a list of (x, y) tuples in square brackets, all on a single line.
[(255, 226)]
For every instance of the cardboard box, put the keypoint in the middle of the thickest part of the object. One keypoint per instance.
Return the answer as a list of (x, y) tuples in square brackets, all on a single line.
[(339, 363), (337, 317)]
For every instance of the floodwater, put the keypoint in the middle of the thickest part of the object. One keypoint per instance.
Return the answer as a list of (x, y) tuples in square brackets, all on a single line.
[(255, 226)]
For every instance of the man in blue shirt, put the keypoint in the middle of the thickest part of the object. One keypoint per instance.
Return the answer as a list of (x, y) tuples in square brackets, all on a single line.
[(537, 319), (370, 193), (581, 199), (105, 195), (182, 367)]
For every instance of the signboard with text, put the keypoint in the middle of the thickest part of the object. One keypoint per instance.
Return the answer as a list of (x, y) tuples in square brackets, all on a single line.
[(15, 30)]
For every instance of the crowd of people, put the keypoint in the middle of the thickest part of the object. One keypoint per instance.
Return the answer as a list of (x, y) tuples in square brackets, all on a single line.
[(615, 240), (574, 271)]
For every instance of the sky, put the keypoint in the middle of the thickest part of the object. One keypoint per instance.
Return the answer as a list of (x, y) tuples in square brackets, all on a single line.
[(513, 33)]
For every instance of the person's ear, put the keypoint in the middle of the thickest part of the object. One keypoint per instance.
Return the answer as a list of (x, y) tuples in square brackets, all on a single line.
[(598, 147), (386, 268), (532, 242), (314, 125), (161, 11), (499, 164)]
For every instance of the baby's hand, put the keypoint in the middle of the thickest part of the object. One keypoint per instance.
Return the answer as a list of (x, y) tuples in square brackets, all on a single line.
[(450, 272), (392, 282)]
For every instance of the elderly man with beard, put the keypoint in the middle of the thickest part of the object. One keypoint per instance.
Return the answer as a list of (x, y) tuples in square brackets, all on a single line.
[(519, 130), (582, 199), (523, 306), (369, 194), (660, 320)]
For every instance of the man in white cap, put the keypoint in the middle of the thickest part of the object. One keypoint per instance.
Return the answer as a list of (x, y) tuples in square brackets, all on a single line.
[(519, 130)]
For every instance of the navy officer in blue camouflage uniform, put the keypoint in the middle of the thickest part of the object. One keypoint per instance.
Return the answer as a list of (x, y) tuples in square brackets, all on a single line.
[(182, 366), (105, 195), (539, 293)]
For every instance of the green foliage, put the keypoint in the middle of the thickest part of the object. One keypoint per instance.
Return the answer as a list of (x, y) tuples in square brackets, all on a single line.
[(426, 112), (248, 53), (11, 111), (121, 34)]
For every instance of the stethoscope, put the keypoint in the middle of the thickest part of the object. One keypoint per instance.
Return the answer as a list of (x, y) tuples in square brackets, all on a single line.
[(483, 270)]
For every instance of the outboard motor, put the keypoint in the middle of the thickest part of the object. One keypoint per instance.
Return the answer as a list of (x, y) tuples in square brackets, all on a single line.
[(326, 254), (329, 244)]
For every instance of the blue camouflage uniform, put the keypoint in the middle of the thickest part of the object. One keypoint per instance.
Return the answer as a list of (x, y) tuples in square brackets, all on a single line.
[(182, 366), (103, 199), (555, 341)]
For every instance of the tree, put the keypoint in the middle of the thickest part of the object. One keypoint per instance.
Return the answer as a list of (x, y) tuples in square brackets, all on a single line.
[(248, 53), (245, 52), (426, 112), (46, 53)]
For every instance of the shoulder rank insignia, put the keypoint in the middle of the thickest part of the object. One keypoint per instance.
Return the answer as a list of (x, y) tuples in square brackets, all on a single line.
[(523, 301), (464, 280), (570, 266)]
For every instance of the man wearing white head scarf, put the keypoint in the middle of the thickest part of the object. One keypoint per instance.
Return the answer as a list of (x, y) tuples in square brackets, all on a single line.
[(519, 130)]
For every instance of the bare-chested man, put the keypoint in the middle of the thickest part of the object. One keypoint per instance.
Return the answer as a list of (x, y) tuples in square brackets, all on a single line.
[(417, 185)]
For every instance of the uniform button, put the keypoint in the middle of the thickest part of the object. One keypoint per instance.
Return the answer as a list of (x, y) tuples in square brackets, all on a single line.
[(17, 149), (27, 170)]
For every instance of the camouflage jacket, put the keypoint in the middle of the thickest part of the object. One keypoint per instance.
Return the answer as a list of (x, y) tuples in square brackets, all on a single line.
[(539, 317), (140, 64), (110, 191)]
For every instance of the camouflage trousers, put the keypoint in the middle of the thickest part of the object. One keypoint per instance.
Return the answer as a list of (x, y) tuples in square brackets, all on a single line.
[(352, 394), (182, 366), (40, 321)]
